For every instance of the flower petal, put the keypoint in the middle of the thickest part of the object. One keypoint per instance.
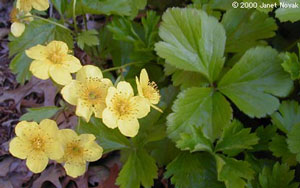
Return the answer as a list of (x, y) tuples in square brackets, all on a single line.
[(144, 78), (71, 63), (60, 75), (40, 69), (17, 29), (129, 127), (54, 150), (109, 119), (60, 46), (22, 5), (67, 135), (37, 52), (125, 88), (98, 109), (142, 106), (19, 147), (110, 94), (89, 71), (40, 5), (24, 128), (49, 127), (75, 169), (139, 87), (93, 152), (70, 92), (84, 110), (86, 138), (37, 162)]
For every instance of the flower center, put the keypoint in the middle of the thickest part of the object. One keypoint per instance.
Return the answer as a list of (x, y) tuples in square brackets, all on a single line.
[(122, 107), (55, 57), (74, 150), (38, 143), (151, 92)]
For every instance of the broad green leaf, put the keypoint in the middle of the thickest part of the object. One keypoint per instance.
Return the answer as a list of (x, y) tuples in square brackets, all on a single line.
[(287, 117), (196, 170), (291, 64), (279, 148), (200, 107), (246, 27), (19, 65), (60, 5), (139, 169), (277, 177), (89, 38), (293, 140), (254, 82), (285, 13), (192, 44), (38, 114), (233, 172), (195, 141), (236, 138), (109, 139), (39, 32), (264, 5), (137, 5), (265, 134)]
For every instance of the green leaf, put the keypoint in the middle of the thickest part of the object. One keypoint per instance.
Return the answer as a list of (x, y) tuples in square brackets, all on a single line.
[(293, 140), (60, 5), (109, 139), (193, 170), (287, 117), (38, 114), (236, 138), (278, 177), (254, 82), (195, 141), (19, 65), (279, 148), (291, 64), (137, 5), (139, 169), (192, 44), (200, 107), (38, 32), (265, 134), (89, 38), (285, 13), (233, 172), (246, 27)]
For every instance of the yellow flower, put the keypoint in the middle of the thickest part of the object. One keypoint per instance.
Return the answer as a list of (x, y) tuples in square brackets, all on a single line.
[(18, 22), (27, 5), (78, 150), (37, 143), (87, 92), (123, 109), (148, 89), (53, 61)]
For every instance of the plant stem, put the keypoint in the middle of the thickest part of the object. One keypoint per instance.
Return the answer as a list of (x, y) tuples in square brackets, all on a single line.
[(74, 16), (292, 45), (120, 67)]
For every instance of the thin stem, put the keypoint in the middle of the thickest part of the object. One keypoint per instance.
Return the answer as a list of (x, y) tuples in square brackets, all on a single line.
[(74, 16), (52, 22), (292, 45), (120, 67), (84, 17)]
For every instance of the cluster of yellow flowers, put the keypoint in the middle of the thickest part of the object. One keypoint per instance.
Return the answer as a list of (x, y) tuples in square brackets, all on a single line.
[(37, 143), (92, 94), (21, 14)]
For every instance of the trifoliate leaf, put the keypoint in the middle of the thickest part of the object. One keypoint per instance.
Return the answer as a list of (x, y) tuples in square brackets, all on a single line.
[(109, 139), (200, 107), (287, 117), (236, 138), (193, 170), (195, 141), (192, 44), (293, 140), (255, 80), (289, 10), (278, 177), (233, 172), (19, 65), (291, 64), (139, 169), (246, 27), (38, 114), (279, 148), (265, 134), (89, 38)]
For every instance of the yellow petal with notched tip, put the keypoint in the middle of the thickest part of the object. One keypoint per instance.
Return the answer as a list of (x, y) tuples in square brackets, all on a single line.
[(84, 110), (109, 119), (60, 75), (75, 169), (93, 152), (40, 5), (19, 147), (37, 52), (129, 127), (70, 92), (40, 69), (37, 162), (71, 63), (142, 106), (17, 29), (125, 88), (88, 71)]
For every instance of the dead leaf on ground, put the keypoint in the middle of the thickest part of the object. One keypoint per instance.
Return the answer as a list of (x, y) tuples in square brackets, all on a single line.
[(51, 174)]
